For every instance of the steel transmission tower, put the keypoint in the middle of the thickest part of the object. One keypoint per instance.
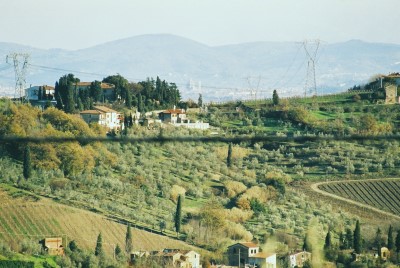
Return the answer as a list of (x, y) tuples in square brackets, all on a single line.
[(20, 62), (254, 89), (311, 49)]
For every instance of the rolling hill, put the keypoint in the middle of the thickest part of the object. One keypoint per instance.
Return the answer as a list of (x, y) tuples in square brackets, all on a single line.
[(24, 216), (225, 72)]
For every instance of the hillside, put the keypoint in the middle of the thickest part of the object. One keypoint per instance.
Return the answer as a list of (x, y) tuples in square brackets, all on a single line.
[(24, 216), (226, 72), (243, 191)]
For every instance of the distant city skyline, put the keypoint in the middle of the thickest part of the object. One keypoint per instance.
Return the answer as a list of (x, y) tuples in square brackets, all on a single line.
[(77, 24)]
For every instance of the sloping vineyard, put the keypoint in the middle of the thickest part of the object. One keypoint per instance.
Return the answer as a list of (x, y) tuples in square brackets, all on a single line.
[(22, 219), (381, 194)]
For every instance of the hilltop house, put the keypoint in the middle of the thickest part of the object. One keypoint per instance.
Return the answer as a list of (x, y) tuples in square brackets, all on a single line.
[(37, 93), (173, 116), (178, 118), (107, 89), (297, 259), (104, 116), (248, 254), (53, 246)]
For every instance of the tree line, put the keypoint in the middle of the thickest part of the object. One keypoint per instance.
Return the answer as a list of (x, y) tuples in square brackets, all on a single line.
[(145, 95)]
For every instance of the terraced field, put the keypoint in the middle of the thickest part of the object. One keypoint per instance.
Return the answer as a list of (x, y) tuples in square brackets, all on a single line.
[(22, 216), (382, 194)]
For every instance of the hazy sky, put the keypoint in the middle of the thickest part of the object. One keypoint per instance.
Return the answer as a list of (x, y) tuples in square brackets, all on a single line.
[(73, 24)]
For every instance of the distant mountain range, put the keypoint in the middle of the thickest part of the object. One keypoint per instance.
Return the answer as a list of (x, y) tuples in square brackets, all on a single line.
[(249, 70)]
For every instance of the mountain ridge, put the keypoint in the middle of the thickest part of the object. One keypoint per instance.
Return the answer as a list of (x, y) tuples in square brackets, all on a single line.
[(270, 65)]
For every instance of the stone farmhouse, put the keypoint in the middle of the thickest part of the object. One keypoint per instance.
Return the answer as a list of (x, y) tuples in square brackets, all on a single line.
[(104, 116), (53, 246), (248, 254), (297, 259)]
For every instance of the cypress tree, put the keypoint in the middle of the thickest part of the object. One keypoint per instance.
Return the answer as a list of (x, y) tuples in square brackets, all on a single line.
[(200, 101), (397, 242), (357, 238), (306, 244), (390, 242), (178, 214), (99, 246), (349, 239), (128, 240), (328, 240), (229, 158), (27, 163), (275, 97)]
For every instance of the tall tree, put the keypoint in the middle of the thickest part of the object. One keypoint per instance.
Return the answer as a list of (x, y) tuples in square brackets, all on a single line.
[(378, 242), (27, 162), (397, 242), (349, 239), (229, 157), (390, 241), (99, 246), (275, 97), (128, 240), (178, 214), (95, 91), (200, 101), (328, 240), (357, 238), (307, 244), (65, 93)]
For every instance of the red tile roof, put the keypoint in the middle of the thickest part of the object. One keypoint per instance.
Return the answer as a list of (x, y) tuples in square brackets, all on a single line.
[(91, 112), (105, 109), (102, 85), (262, 255)]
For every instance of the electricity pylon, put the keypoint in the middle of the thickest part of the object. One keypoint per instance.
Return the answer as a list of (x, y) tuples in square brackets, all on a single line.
[(20, 62), (311, 48)]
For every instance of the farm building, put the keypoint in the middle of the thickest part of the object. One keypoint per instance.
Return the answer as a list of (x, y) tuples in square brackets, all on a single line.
[(248, 253), (53, 246)]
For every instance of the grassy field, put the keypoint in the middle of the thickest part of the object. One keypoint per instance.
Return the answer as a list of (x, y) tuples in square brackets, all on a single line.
[(381, 194), (23, 216)]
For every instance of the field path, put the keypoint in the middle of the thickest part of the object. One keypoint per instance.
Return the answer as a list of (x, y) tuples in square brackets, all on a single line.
[(315, 188)]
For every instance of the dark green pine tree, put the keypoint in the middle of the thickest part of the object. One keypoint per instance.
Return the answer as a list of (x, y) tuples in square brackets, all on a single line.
[(275, 98), (27, 162), (397, 242), (128, 240), (357, 238), (178, 215), (390, 241), (229, 157), (98, 251), (328, 241)]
